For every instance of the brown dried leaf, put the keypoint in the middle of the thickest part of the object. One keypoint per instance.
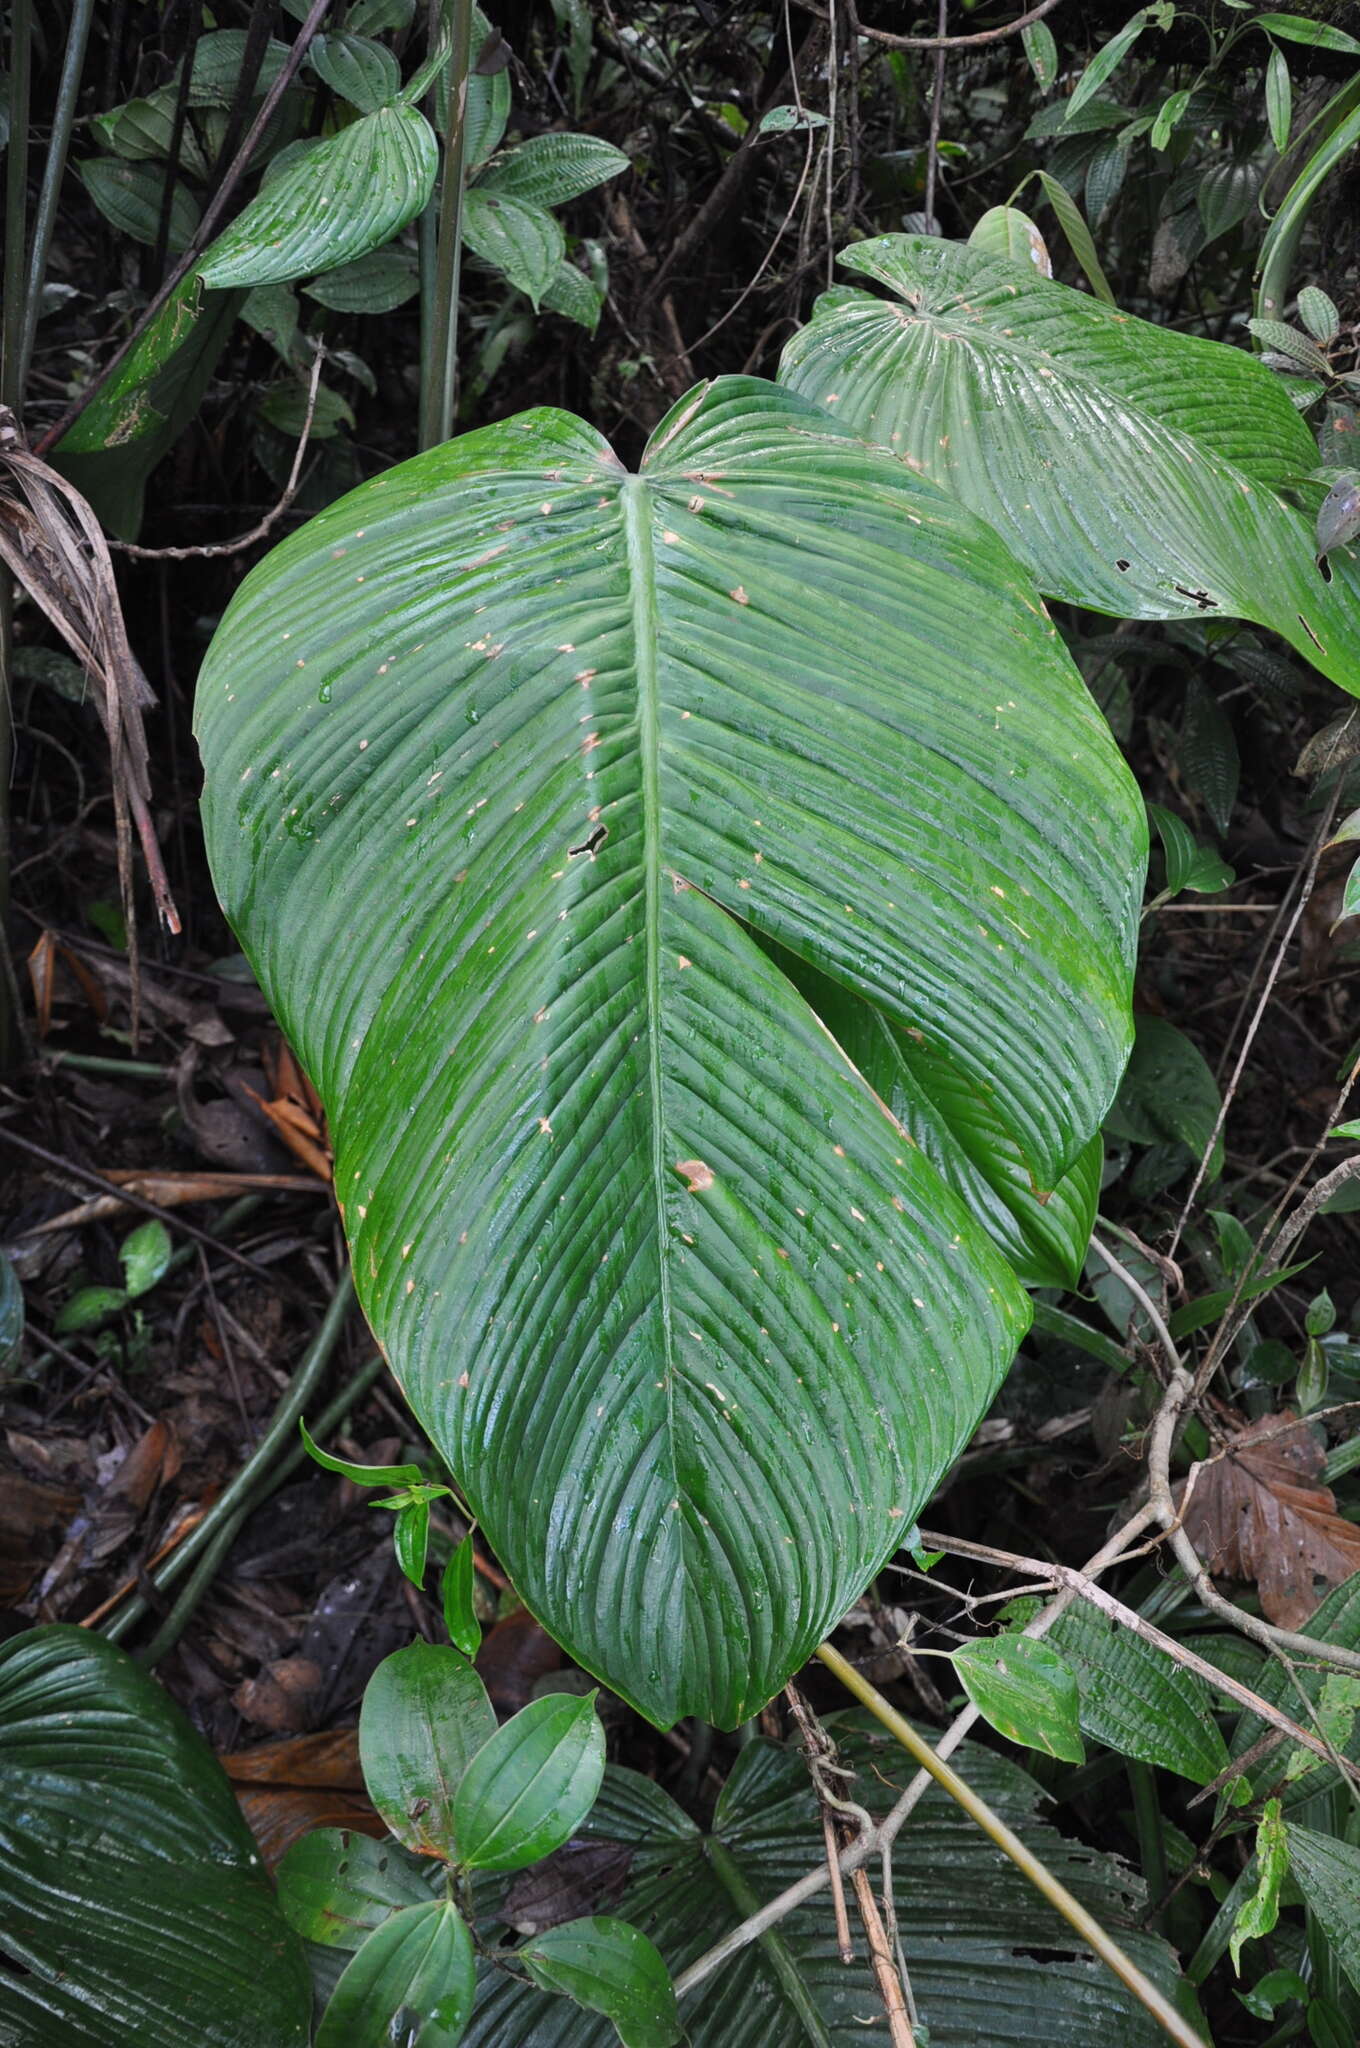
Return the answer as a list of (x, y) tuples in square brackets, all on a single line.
[(278, 1816), (329, 1759), (1256, 1513), (283, 1696)]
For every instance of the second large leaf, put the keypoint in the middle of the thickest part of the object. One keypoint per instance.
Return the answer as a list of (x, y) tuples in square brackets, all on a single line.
[(510, 755), (1148, 474)]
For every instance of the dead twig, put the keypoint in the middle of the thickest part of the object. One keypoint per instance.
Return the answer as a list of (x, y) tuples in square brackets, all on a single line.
[(940, 42)]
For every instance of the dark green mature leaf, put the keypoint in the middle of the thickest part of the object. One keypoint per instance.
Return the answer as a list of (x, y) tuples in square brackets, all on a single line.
[(455, 1592), (575, 296), (1137, 1699), (1026, 1690), (132, 1895), (1328, 1873), (548, 170), (611, 1968), (1188, 864), (1107, 60), (1168, 1092), (356, 69), (522, 240), (507, 755), (1335, 1620), (129, 197), (1206, 752), (970, 1922), (425, 1716), (11, 1313), (350, 1468), (1279, 99), (336, 1887), (1139, 471), (531, 1785), (344, 196), (488, 100), (218, 59), (411, 1985), (1298, 28), (376, 283)]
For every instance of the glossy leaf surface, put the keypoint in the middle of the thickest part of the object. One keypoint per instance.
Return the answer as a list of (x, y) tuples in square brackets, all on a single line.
[(1026, 1690), (611, 1968), (337, 200), (411, 1985), (425, 1716), (508, 755), (131, 1891), (1142, 472), (531, 1785), (970, 1922), (335, 1887), (551, 169)]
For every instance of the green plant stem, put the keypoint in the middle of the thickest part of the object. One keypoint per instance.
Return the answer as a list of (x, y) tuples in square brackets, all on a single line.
[(101, 1063), (439, 364), (283, 1422), (209, 1561), (992, 1825), (776, 1950), (1285, 232), (63, 119)]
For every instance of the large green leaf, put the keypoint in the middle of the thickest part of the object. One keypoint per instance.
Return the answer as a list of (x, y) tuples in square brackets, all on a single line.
[(1137, 1699), (336, 201), (131, 1892), (969, 1922), (1328, 1873), (508, 754), (548, 170), (1142, 472)]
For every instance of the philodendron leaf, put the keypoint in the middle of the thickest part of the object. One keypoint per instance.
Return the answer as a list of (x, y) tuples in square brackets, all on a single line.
[(343, 196), (411, 1985), (335, 1887), (134, 1904), (508, 755), (1025, 1690), (1145, 473), (612, 1968), (425, 1716), (531, 1785)]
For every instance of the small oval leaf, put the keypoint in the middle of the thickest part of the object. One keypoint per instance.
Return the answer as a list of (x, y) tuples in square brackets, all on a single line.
[(456, 1590), (611, 1967), (411, 1985), (530, 1787), (425, 1716), (335, 1887), (1026, 1691)]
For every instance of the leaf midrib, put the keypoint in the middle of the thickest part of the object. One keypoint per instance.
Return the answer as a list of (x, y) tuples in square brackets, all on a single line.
[(635, 500)]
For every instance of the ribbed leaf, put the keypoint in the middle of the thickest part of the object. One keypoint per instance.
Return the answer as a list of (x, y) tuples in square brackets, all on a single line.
[(411, 1985), (339, 199), (1328, 1874), (1330, 1700), (129, 197), (522, 240), (376, 283), (1138, 1700), (1136, 470), (356, 69), (969, 1922), (131, 1891), (548, 170), (508, 753)]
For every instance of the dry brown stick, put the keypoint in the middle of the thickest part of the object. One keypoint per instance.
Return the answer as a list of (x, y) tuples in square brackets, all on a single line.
[(940, 42), (263, 527), (845, 1947), (885, 1965)]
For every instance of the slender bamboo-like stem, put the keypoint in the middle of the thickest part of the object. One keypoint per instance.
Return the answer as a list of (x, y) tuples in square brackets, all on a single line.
[(44, 221), (1039, 1875), (439, 365), (275, 1440), (1341, 122)]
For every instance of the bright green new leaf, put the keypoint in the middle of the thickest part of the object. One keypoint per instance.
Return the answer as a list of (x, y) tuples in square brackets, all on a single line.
[(87, 1308), (1005, 231), (1026, 1690), (1139, 471), (455, 1592), (411, 1538), (1347, 1130), (425, 1715), (1328, 1874), (531, 1784), (511, 757), (574, 295), (132, 1895), (1298, 28), (1137, 1699), (548, 170), (1258, 1914), (335, 1886), (356, 69), (1168, 114), (1042, 53), (362, 1475), (344, 196), (1079, 238), (609, 1967), (411, 1985), (144, 1255), (520, 239), (1279, 99)]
